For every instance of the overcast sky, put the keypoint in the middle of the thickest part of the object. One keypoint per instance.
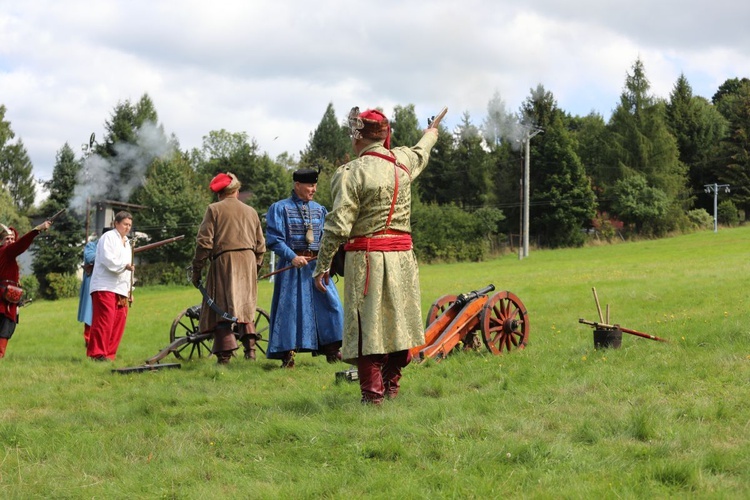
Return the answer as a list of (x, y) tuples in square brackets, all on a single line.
[(270, 68)]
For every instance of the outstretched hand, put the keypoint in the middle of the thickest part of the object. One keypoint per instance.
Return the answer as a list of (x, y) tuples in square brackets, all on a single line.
[(44, 226)]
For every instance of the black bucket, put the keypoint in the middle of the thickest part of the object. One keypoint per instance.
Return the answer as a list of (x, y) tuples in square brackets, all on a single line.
[(604, 339)]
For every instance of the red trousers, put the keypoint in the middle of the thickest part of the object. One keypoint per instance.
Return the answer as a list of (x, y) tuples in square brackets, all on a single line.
[(107, 325)]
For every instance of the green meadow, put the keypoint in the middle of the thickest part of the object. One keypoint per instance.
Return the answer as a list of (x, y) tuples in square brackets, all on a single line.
[(556, 420)]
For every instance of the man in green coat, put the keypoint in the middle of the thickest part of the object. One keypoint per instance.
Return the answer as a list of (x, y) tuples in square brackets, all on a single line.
[(371, 215)]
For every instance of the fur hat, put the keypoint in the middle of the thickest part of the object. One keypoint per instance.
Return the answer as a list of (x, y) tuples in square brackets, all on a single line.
[(305, 176), (370, 124)]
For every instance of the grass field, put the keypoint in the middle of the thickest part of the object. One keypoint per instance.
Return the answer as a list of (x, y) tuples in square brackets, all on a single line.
[(557, 420)]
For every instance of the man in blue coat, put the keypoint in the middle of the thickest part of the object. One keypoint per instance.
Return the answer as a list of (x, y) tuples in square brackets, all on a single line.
[(85, 308), (303, 319)]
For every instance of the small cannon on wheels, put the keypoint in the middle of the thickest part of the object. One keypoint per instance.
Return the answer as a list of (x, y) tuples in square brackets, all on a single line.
[(187, 342), (501, 319)]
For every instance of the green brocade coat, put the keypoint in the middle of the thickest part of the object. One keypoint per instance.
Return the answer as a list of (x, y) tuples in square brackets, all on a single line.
[(390, 314)]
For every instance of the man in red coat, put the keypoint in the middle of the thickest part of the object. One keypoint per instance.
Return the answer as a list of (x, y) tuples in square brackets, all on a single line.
[(10, 292)]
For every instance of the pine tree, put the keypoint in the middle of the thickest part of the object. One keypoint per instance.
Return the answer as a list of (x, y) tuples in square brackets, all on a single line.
[(15, 167), (175, 202), (60, 250), (132, 141), (329, 143), (642, 144), (405, 130), (735, 148), (471, 160), (561, 199), (698, 127)]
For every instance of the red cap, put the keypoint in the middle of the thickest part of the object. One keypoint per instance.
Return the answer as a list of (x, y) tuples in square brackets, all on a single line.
[(376, 126), (219, 182)]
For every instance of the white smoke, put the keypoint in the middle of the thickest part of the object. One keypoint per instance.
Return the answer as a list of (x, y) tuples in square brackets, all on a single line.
[(100, 177), (503, 126)]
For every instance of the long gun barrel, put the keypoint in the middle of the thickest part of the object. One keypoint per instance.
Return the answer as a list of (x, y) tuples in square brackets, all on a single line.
[(157, 244), (605, 326), (57, 214)]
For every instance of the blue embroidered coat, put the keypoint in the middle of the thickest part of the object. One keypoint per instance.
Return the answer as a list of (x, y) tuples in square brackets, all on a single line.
[(302, 318), (85, 309)]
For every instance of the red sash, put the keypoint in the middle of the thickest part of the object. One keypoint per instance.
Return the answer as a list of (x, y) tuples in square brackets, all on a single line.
[(398, 242)]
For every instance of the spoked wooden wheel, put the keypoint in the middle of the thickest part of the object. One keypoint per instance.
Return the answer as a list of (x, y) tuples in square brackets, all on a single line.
[(262, 322), (187, 324), (504, 323), (439, 307)]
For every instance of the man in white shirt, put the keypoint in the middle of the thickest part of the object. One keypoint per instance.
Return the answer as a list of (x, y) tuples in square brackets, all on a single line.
[(110, 289)]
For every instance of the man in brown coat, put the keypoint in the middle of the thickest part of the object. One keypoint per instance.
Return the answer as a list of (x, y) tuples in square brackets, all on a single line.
[(232, 238)]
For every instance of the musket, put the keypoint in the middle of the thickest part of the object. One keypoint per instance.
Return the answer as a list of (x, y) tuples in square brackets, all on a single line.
[(283, 269), (57, 214), (604, 326), (156, 244), (435, 120), (132, 277)]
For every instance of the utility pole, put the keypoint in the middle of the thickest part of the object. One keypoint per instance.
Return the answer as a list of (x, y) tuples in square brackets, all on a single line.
[(714, 188), (520, 220), (527, 143)]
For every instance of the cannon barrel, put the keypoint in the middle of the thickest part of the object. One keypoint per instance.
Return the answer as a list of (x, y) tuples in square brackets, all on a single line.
[(464, 298)]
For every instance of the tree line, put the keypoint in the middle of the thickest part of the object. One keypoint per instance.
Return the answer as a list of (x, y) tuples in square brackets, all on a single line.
[(643, 172)]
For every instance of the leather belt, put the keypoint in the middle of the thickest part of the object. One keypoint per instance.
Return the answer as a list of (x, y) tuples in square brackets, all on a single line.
[(307, 253)]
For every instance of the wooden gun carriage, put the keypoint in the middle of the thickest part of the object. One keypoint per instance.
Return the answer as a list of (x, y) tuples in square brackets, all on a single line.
[(186, 342), (500, 320)]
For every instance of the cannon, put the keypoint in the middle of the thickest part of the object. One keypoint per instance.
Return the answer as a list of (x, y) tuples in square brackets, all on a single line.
[(500, 321), (186, 342)]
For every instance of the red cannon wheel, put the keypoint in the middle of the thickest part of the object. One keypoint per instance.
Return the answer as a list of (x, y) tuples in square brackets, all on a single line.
[(439, 307), (187, 324), (505, 323)]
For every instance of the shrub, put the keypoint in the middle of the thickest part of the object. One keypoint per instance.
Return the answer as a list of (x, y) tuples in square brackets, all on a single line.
[(62, 286), (728, 213), (160, 273), (447, 233), (30, 286), (700, 219)]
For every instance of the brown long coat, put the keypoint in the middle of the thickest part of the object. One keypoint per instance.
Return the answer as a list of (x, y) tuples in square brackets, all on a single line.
[(232, 237)]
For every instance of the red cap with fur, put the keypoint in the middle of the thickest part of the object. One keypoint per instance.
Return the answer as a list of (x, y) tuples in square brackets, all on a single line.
[(376, 126)]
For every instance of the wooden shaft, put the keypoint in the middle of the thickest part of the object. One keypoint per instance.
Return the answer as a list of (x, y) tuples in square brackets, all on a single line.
[(598, 307), (132, 277), (605, 326), (157, 244), (283, 269)]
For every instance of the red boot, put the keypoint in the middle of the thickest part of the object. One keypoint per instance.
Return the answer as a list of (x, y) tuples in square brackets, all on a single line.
[(3, 346), (371, 378), (395, 362)]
